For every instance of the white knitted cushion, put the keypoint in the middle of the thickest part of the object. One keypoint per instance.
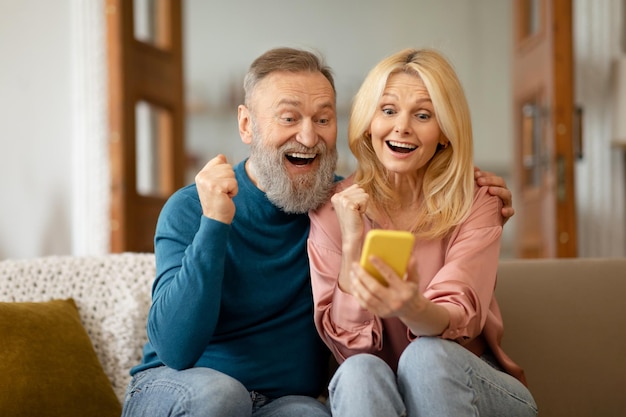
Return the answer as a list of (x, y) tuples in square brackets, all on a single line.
[(112, 293)]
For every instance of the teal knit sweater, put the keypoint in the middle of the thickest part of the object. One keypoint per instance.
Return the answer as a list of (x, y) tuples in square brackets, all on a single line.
[(235, 298)]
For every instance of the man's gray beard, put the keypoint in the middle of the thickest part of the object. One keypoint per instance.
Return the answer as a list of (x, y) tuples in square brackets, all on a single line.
[(295, 195)]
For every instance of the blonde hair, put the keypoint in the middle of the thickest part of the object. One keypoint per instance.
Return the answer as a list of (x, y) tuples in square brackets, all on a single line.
[(448, 185)]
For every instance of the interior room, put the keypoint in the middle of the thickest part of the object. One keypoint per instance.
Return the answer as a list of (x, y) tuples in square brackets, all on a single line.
[(73, 305)]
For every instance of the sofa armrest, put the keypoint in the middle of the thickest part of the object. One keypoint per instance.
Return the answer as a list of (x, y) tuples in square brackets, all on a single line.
[(565, 323)]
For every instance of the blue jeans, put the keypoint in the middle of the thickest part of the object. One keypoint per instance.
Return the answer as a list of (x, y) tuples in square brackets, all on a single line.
[(203, 392), (435, 378)]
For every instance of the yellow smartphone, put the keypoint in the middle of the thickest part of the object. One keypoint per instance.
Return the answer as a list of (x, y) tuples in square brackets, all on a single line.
[(392, 246)]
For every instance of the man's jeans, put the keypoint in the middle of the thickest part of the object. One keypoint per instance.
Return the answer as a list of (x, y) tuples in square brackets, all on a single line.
[(435, 378), (203, 392)]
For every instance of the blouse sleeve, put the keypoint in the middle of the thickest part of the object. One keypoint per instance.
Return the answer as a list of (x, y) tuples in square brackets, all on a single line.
[(466, 282), (345, 327)]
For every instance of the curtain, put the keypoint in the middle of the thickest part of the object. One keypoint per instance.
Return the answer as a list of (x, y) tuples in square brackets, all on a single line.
[(600, 174), (90, 155)]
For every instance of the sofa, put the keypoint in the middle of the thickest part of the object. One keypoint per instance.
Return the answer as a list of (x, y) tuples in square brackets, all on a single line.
[(72, 327)]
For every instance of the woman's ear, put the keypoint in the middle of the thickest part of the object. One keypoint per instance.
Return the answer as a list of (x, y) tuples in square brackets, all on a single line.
[(443, 141), (245, 124)]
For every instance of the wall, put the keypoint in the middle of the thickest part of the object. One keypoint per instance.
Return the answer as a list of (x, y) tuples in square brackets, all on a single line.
[(35, 127)]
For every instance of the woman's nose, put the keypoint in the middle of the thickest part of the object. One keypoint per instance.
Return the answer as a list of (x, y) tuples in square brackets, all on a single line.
[(402, 125)]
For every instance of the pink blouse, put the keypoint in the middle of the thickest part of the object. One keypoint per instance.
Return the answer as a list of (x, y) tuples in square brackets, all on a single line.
[(457, 272)]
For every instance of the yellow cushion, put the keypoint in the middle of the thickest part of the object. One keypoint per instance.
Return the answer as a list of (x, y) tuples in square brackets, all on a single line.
[(48, 366)]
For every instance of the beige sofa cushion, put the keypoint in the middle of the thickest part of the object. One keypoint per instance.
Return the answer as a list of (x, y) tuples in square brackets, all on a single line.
[(565, 324)]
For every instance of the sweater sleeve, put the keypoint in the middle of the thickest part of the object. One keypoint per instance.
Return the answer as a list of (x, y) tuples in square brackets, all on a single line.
[(190, 251)]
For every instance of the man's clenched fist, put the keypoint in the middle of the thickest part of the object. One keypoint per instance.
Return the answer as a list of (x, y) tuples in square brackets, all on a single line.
[(217, 186)]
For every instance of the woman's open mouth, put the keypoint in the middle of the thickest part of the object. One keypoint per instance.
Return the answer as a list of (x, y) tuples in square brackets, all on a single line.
[(400, 147)]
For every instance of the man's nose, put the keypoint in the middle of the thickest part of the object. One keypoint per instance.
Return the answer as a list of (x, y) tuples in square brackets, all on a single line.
[(307, 135)]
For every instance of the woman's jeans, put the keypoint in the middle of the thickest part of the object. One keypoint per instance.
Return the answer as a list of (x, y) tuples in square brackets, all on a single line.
[(435, 377), (203, 392)]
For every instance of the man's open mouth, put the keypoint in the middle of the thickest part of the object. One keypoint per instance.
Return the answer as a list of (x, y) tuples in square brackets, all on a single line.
[(400, 147), (298, 158)]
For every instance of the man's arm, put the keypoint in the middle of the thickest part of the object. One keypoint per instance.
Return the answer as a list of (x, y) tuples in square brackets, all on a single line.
[(190, 249), (497, 187), (186, 296)]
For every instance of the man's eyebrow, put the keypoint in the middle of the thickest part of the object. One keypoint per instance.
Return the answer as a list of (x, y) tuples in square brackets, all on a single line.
[(296, 103), (328, 105), (290, 102)]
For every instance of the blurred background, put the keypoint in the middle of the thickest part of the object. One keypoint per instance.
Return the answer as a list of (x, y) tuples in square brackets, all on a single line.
[(54, 161)]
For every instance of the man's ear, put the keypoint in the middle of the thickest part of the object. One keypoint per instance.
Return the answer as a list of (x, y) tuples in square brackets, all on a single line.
[(245, 124)]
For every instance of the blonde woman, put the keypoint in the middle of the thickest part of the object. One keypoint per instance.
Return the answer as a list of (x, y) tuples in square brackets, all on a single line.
[(427, 343)]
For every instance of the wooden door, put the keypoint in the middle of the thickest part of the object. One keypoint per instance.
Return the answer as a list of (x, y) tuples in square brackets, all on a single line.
[(146, 116), (544, 129)]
